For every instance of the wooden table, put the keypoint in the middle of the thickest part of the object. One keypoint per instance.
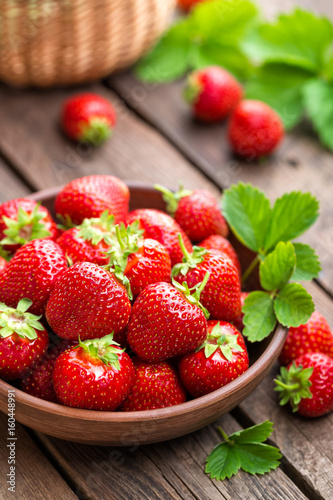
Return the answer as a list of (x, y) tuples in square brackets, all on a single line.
[(156, 141)]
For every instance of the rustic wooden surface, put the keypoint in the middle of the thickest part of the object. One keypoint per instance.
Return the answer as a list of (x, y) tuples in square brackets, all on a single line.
[(155, 140)]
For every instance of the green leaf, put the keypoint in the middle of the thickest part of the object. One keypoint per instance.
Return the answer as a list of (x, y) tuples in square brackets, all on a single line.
[(222, 462), (292, 215), (277, 268), (299, 39), (318, 99), (259, 318), (215, 54), (255, 434), (293, 305), (258, 458), (247, 211), (307, 263)]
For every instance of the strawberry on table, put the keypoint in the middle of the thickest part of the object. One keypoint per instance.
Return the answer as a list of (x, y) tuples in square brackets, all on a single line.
[(23, 220), (219, 360), (90, 196), (217, 242), (159, 226), (222, 294), (212, 93), (88, 302), (167, 321), (31, 274), (307, 384), (96, 375), (156, 385), (88, 117), (197, 212), (314, 336), (23, 340)]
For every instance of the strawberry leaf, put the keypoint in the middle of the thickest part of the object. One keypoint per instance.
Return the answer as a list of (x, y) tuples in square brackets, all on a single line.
[(259, 318), (318, 99), (278, 267), (307, 263), (293, 305)]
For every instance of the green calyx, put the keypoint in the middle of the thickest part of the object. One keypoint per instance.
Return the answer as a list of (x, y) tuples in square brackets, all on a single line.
[(105, 349), (96, 131), (192, 295), (98, 229), (19, 321), (293, 385), (190, 260), (192, 89), (26, 227), (226, 343), (172, 199)]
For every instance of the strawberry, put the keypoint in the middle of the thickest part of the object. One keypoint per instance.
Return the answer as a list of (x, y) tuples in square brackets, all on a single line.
[(23, 340), (156, 385), (221, 295), (187, 5), (136, 262), (218, 361), (88, 117), (96, 375), (3, 264), (307, 384), (88, 302), (197, 212), (167, 321), (255, 129), (212, 93), (314, 336), (90, 196), (238, 322), (31, 273), (88, 242), (161, 227), (23, 220), (217, 242)]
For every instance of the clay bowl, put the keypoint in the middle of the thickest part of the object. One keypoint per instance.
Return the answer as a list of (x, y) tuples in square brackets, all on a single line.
[(122, 429)]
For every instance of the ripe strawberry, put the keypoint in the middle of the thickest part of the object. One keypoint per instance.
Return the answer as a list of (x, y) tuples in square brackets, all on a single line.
[(166, 322), (156, 385), (221, 296), (221, 359), (96, 375), (161, 227), (31, 273), (238, 322), (137, 263), (212, 93), (88, 117), (23, 220), (88, 242), (197, 212), (23, 340), (3, 264), (217, 242), (314, 336), (187, 5), (308, 384), (90, 196), (88, 302), (255, 129)]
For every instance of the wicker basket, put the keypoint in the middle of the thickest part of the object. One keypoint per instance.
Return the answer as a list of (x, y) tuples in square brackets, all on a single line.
[(61, 42)]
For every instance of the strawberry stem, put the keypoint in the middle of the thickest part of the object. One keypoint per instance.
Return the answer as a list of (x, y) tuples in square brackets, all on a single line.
[(250, 269), (186, 254), (223, 434)]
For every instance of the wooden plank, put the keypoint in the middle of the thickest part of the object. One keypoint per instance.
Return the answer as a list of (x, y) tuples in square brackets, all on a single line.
[(11, 186), (174, 469), (36, 478)]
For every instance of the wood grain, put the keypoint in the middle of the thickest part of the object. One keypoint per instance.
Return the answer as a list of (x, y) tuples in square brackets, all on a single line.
[(10, 186)]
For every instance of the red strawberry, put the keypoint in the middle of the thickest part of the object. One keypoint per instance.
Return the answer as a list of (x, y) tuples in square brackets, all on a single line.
[(88, 242), (314, 336), (97, 375), (187, 5), (212, 93), (31, 273), (221, 295), (166, 322), (217, 242), (222, 358), (23, 220), (90, 196), (255, 129), (3, 264), (23, 340), (156, 385), (197, 212), (238, 322), (88, 302), (308, 384), (88, 117), (161, 227)]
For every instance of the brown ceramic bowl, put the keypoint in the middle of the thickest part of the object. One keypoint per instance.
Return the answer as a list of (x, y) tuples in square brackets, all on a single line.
[(122, 429)]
